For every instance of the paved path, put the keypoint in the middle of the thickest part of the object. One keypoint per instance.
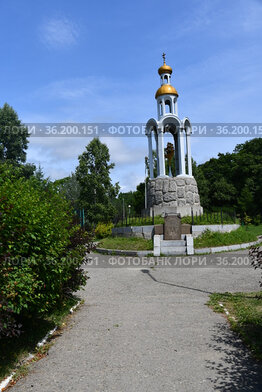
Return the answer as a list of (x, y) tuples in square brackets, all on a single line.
[(150, 331)]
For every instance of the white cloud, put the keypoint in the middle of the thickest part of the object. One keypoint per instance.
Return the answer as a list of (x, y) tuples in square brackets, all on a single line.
[(59, 33), (59, 157)]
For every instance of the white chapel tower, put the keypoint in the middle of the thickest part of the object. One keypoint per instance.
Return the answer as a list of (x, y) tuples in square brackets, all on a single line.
[(165, 192)]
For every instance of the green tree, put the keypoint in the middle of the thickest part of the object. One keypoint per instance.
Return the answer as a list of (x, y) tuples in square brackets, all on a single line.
[(223, 193), (13, 136), (203, 186), (233, 180), (246, 199), (70, 188), (97, 192), (123, 200), (139, 198)]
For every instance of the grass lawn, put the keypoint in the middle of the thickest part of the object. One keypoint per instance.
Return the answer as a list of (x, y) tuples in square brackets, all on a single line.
[(14, 350), (122, 243), (246, 308), (207, 239), (241, 235)]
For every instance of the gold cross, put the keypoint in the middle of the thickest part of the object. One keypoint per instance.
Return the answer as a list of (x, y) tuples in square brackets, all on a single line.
[(164, 57)]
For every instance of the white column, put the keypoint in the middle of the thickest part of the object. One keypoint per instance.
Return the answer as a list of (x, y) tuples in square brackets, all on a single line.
[(158, 109), (172, 106), (176, 109), (176, 144), (157, 154), (150, 155), (181, 149), (189, 158), (161, 156)]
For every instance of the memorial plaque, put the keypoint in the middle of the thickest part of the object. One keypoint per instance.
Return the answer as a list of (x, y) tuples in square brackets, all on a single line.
[(172, 227)]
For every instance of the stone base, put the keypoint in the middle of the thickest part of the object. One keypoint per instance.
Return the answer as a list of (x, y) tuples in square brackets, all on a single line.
[(173, 195)]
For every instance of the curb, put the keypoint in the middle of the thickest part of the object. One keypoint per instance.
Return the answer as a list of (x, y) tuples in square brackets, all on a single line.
[(226, 311), (4, 384), (226, 248), (144, 253), (119, 252)]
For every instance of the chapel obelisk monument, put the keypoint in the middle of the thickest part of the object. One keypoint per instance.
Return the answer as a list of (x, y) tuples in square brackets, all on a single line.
[(168, 193)]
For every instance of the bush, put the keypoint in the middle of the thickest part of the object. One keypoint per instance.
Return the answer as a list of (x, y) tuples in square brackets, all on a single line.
[(103, 230), (256, 220), (41, 252)]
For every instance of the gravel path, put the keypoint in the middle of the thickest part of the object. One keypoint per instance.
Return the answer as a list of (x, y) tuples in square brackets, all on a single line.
[(150, 331)]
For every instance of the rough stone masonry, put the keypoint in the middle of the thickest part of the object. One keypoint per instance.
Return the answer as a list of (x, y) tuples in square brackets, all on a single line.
[(173, 194)]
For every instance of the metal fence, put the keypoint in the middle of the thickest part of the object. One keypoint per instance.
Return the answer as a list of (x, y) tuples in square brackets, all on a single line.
[(218, 217), (215, 217), (134, 220)]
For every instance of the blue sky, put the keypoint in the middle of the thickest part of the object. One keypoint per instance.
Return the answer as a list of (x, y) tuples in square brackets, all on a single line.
[(89, 61)]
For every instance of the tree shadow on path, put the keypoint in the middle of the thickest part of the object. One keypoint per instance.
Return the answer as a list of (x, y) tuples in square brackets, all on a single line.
[(237, 370), (145, 271)]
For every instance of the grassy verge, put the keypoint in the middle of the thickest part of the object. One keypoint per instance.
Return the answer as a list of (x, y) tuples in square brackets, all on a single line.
[(241, 235), (14, 350), (246, 308), (130, 243)]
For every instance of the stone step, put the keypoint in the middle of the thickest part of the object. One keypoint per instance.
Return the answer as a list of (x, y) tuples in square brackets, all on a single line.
[(174, 251), (172, 243)]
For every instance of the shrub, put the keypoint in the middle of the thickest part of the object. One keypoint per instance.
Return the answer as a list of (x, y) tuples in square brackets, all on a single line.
[(256, 220), (103, 230), (41, 252)]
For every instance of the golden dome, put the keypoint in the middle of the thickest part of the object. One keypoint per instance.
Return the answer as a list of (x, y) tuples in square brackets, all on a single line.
[(166, 89), (165, 69)]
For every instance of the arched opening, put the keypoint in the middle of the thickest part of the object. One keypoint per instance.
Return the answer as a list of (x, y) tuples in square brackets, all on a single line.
[(160, 108), (151, 160), (186, 154), (155, 152), (165, 79), (172, 126), (168, 106), (172, 133), (187, 128)]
